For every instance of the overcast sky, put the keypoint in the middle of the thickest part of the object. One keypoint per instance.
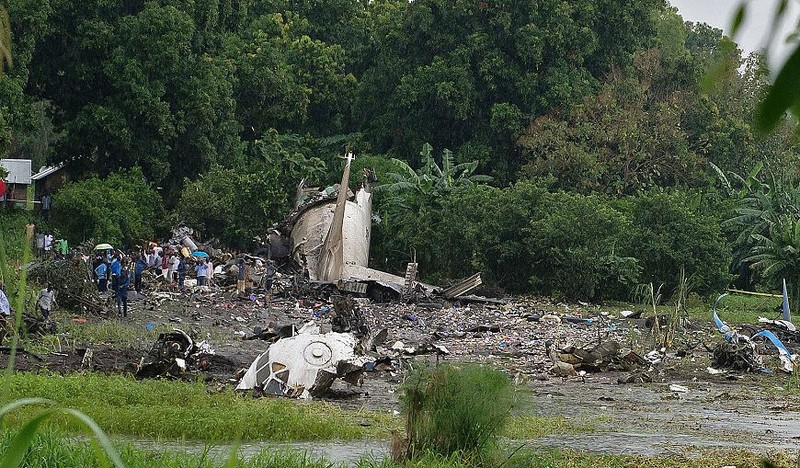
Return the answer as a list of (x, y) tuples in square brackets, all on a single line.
[(755, 30)]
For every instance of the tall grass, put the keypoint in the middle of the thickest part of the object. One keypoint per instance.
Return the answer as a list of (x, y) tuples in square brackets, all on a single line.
[(455, 410), (165, 409), (15, 254), (49, 449)]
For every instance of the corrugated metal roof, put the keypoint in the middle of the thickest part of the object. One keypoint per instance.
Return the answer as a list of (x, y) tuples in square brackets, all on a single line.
[(46, 171), (19, 170)]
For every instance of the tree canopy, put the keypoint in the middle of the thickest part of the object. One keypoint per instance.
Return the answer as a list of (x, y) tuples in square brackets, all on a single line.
[(233, 102)]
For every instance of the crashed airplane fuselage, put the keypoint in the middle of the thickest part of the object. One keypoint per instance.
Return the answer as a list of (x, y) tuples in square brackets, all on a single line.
[(331, 236)]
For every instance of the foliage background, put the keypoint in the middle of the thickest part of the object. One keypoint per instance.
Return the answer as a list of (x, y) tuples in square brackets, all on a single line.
[(569, 144)]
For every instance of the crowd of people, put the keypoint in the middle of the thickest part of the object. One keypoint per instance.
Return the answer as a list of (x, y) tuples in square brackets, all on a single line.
[(117, 272)]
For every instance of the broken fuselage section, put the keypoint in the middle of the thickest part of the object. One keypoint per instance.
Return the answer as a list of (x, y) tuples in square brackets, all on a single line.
[(330, 234)]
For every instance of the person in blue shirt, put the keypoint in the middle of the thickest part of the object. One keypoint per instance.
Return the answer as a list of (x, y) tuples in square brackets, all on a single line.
[(123, 284), (102, 277), (138, 268), (201, 270), (115, 269)]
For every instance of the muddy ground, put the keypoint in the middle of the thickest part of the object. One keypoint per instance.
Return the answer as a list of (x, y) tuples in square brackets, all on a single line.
[(733, 409)]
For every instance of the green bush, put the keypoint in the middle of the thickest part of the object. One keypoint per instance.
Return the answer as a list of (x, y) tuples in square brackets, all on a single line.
[(233, 205), (673, 232), (455, 410), (575, 247), (121, 209), (526, 239)]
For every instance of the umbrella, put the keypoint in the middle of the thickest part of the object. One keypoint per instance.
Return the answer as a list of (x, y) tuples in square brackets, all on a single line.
[(199, 254), (103, 247)]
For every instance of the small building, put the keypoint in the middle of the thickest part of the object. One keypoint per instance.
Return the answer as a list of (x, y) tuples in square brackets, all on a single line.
[(18, 179), (47, 181)]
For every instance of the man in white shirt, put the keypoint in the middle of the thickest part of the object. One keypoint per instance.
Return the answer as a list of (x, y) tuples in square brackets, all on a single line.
[(173, 267), (155, 262), (48, 244), (46, 301)]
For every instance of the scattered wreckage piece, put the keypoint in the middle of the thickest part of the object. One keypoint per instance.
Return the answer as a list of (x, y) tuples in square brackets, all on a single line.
[(740, 352), (175, 353), (272, 333), (30, 325), (348, 317), (463, 287), (609, 355), (329, 237), (305, 365)]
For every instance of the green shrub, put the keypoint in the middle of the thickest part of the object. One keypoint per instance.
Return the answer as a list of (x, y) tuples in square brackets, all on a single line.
[(673, 232), (233, 205), (121, 209), (575, 247), (455, 410)]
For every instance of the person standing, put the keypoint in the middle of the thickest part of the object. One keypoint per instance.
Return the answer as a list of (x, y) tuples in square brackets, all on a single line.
[(165, 265), (63, 248), (46, 300), (96, 263), (123, 284), (241, 276), (174, 261), (155, 262), (5, 306), (48, 244), (269, 276), (115, 269), (40, 244), (181, 272), (201, 270), (102, 277), (209, 271), (138, 268)]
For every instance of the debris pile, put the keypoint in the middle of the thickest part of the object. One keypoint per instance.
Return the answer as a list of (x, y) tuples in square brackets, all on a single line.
[(71, 278), (175, 354), (739, 350)]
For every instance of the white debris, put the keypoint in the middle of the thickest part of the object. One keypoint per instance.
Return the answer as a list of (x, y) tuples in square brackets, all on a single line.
[(678, 388), (305, 365)]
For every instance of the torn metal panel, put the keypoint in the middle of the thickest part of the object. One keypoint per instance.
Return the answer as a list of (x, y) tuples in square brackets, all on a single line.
[(331, 257), (463, 287), (169, 350), (352, 286), (304, 365), (411, 278), (329, 236)]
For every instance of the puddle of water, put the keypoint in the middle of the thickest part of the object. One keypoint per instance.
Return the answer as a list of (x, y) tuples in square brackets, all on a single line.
[(336, 452)]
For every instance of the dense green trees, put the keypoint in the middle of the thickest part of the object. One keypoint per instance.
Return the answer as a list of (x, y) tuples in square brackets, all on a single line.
[(581, 132), (121, 209)]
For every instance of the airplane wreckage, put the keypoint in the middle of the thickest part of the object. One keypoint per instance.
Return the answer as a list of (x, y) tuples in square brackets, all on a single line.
[(329, 237)]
